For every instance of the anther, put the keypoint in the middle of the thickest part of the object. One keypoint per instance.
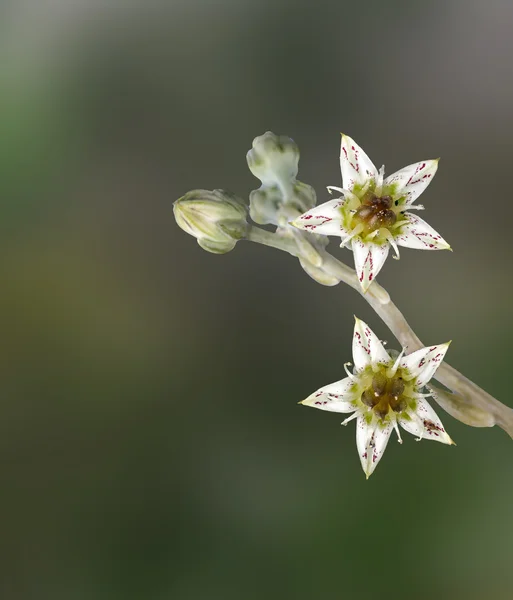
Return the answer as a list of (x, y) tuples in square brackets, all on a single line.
[(379, 384), (368, 399)]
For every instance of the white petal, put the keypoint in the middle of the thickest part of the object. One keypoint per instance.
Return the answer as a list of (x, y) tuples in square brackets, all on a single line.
[(426, 424), (412, 180), (418, 234), (423, 363), (368, 260), (325, 219), (367, 349), (412, 424), (335, 397), (355, 165), (371, 441)]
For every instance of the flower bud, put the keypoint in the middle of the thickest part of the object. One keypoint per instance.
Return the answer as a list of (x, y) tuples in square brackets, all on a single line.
[(268, 206), (217, 219), (273, 159)]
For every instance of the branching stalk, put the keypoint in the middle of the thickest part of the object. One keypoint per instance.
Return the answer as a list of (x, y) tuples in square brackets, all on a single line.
[(467, 402)]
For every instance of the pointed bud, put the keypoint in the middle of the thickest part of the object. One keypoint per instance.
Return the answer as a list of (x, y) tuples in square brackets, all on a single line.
[(217, 219)]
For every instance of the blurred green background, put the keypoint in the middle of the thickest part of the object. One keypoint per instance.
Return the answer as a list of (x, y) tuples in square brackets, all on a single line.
[(150, 441)]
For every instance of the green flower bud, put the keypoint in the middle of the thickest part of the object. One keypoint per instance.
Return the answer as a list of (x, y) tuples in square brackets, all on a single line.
[(267, 205), (217, 219), (274, 159)]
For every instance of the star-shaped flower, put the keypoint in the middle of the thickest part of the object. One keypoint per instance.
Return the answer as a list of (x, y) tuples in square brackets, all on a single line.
[(373, 213), (384, 392)]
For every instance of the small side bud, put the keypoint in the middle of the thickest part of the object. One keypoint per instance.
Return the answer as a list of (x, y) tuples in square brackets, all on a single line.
[(273, 159), (268, 206), (217, 219)]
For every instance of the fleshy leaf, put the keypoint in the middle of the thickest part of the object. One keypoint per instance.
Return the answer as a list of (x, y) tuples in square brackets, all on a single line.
[(318, 273)]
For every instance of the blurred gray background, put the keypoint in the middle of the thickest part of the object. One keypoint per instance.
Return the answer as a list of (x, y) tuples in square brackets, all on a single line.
[(150, 441)]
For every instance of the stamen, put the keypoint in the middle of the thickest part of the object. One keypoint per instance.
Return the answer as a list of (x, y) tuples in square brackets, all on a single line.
[(396, 427), (417, 395), (391, 372), (358, 229), (379, 181), (414, 207), (337, 189), (392, 242), (346, 193), (349, 374), (353, 416), (365, 188), (400, 223)]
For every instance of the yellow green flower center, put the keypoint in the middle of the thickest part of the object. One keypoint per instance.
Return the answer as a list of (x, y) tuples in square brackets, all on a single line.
[(387, 393), (375, 212)]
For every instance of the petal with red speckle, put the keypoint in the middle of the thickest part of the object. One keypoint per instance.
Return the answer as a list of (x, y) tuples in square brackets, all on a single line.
[(425, 424), (368, 260), (411, 181), (325, 219), (355, 165), (335, 397), (418, 234), (367, 349), (371, 442), (423, 363)]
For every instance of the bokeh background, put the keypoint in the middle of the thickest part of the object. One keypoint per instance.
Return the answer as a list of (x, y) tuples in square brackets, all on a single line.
[(150, 441)]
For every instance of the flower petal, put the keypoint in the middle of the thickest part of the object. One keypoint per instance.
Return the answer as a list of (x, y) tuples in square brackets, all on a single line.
[(412, 180), (355, 165), (418, 234), (423, 363), (371, 441), (335, 397), (368, 260), (425, 424), (367, 349), (325, 219), (412, 424)]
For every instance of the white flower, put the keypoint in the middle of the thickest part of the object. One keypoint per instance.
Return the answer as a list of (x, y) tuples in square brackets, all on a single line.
[(372, 213), (383, 393)]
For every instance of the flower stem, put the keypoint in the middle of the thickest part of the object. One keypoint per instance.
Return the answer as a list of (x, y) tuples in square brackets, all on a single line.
[(468, 402)]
